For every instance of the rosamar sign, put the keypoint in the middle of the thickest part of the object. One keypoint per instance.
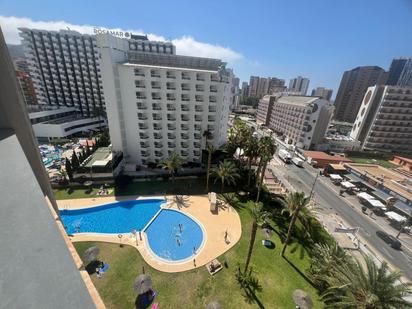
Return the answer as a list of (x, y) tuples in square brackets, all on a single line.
[(119, 34)]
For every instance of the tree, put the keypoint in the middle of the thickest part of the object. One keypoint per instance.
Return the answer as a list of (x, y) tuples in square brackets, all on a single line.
[(258, 216), (226, 172), (251, 152), (75, 161), (365, 285), (267, 149), (172, 164), (69, 169), (210, 150), (238, 136), (207, 135), (62, 177), (294, 203)]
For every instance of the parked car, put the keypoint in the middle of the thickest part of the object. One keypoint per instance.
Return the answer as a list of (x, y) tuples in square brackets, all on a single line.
[(389, 239)]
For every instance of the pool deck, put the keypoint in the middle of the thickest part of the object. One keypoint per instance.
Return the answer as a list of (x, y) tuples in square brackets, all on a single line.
[(215, 226)]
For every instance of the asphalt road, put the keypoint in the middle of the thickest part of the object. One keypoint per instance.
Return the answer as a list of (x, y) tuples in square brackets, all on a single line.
[(331, 202)]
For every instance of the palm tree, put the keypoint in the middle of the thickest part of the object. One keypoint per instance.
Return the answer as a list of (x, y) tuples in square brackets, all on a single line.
[(172, 164), (365, 285), (226, 172), (210, 150), (294, 202), (258, 217), (252, 152), (267, 148)]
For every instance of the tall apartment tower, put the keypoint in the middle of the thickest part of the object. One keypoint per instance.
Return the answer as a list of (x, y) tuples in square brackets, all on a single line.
[(395, 71), (158, 104), (322, 92), (263, 87), (352, 89), (405, 79), (64, 68), (299, 85), (276, 85), (253, 86), (245, 89), (384, 121)]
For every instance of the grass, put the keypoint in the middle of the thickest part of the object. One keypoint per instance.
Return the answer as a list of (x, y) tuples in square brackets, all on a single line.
[(192, 186), (277, 276), (371, 160)]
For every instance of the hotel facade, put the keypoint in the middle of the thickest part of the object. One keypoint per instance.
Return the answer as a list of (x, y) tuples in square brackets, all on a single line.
[(301, 120), (64, 68), (161, 103), (384, 120)]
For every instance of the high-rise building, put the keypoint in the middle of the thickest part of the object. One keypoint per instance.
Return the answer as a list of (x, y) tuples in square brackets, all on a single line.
[(299, 85), (27, 202), (263, 87), (276, 85), (322, 92), (245, 89), (158, 104), (264, 110), (395, 71), (302, 120), (352, 89), (405, 79), (384, 121), (25, 81), (65, 67), (253, 86)]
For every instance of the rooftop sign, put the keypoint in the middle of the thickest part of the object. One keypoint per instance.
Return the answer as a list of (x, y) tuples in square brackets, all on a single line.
[(117, 33)]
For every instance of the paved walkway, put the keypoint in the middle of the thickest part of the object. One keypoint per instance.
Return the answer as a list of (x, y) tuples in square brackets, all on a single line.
[(215, 226)]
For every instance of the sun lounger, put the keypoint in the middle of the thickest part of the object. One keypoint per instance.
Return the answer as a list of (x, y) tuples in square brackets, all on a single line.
[(155, 306), (104, 268), (214, 267)]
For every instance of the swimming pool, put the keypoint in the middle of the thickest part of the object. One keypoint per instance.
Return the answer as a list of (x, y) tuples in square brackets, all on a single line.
[(113, 218), (174, 236)]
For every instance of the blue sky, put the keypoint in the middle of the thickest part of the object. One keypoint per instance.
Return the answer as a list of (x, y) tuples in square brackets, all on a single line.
[(318, 39)]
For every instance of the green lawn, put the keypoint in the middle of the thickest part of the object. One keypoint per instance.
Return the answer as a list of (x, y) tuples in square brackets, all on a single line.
[(380, 162), (195, 289), (156, 187)]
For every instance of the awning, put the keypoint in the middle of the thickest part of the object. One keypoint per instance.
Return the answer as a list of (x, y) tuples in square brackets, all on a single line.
[(376, 203), (335, 177), (347, 184), (394, 216), (338, 167), (365, 196)]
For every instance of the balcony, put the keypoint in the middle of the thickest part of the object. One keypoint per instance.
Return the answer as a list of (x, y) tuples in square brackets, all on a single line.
[(141, 106), (171, 97), (154, 73), (138, 72), (144, 136), (200, 77), (198, 118), (199, 98), (200, 88), (184, 136), (145, 154), (143, 126), (170, 86), (184, 118), (170, 75), (184, 108), (156, 97), (185, 76), (212, 99), (212, 109), (198, 127), (171, 145), (157, 136), (197, 136), (184, 127), (141, 116), (185, 98), (171, 126), (198, 108), (170, 108), (211, 118), (140, 96), (144, 145), (213, 89), (171, 136), (171, 118), (158, 154), (184, 145), (157, 117), (157, 128), (158, 145), (156, 107)]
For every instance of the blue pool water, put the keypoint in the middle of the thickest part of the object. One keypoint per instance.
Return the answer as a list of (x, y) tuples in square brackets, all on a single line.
[(166, 239), (119, 217)]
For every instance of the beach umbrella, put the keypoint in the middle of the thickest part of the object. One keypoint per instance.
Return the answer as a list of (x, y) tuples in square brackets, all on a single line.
[(142, 284), (91, 254), (214, 305), (267, 232), (302, 299)]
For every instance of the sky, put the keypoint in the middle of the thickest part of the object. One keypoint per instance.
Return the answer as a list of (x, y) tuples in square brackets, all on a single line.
[(318, 39)]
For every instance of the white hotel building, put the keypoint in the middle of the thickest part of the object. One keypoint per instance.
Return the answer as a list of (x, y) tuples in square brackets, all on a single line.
[(384, 120), (159, 103)]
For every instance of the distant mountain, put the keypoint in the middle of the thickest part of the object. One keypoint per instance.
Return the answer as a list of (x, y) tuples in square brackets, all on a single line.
[(16, 51)]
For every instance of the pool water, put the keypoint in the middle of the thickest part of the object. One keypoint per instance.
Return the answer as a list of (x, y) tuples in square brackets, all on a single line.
[(118, 217), (169, 241)]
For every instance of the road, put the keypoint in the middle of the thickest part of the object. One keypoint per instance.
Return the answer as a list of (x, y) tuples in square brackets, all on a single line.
[(330, 201)]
